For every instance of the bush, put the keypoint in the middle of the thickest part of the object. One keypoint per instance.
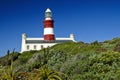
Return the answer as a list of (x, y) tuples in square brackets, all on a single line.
[(117, 48), (6, 60)]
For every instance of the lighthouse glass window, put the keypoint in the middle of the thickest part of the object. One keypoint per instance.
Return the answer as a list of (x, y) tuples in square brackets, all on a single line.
[(48, 15)]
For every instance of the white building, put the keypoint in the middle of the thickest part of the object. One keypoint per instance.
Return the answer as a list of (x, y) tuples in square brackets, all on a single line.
[(49, 37)]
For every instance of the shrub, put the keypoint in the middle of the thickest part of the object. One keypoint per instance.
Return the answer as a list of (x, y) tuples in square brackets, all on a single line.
[(6, 60), (117, 48)]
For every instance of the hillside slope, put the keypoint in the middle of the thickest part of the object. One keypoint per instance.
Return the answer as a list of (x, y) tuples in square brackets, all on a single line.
[(79, 61)]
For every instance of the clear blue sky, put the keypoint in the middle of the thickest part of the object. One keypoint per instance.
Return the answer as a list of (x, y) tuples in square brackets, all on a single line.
[(89, 20)]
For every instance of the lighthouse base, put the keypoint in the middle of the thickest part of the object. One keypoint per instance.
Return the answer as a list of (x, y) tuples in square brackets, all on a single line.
[(49, 37)]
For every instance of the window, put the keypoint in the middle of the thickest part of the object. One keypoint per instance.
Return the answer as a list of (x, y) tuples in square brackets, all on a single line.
[(41, 46), (27, 47), (34, 46)]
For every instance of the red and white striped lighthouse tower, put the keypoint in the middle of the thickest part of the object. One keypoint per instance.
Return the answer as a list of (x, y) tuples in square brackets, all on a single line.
[(48, 26)]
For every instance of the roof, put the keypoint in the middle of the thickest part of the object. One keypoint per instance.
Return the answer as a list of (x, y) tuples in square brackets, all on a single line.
[(41, 40), (48, 10)]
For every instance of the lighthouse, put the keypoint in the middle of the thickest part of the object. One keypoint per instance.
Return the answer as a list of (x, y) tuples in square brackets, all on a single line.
[(48, 26), (48, 40)]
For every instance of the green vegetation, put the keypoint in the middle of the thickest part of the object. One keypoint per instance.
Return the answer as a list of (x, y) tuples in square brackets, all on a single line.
[(65, 61)]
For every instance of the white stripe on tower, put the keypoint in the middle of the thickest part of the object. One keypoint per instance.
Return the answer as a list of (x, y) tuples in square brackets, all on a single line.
[(48, 26), (48, 19), (48, 31)]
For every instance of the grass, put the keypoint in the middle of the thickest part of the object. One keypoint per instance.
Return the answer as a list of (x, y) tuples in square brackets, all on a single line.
[(69, 58)]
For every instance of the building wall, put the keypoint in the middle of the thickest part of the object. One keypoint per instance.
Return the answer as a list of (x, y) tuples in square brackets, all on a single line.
[(29, 47)]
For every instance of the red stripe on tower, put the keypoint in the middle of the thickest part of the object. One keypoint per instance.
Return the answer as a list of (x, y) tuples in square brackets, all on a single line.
[(48, 26)]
